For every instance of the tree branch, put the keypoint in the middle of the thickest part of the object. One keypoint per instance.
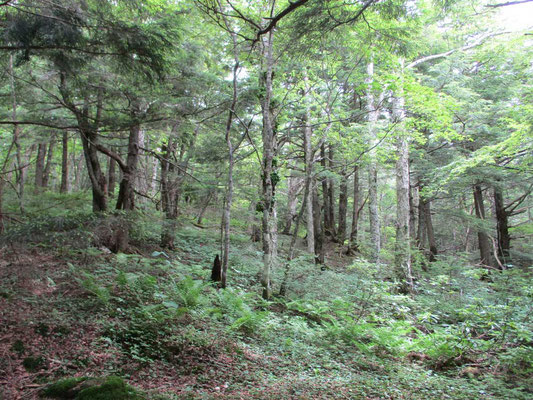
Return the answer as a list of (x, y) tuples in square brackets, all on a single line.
[(509, 3), (274, 20), (450, 52)]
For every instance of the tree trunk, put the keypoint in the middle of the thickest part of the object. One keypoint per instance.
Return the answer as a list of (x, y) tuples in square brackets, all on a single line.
[(308, 152), (483, 239), (294, 185), (422, 231), (412, 213), (343, 206), (290, 257), (269, 174), (88, 129), (39, 167), (204, 207), (353, 246), (318, 227), (231, 162), (20, 171), (169, 195), (373, 210), (502, 226), (331, 196), (325, 191), (403, 236), (48, 166), (430, 232), (64, 164), (126, 193), (111, 175)]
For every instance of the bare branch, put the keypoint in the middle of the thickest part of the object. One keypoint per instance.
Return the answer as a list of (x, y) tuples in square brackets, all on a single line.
[(478, 42), (509, 3)]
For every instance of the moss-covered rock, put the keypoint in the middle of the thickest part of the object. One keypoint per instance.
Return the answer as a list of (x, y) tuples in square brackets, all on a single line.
[(63, 389), (110, 388)]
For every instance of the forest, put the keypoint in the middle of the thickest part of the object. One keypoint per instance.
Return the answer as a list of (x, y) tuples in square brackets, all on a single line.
[(267, 199)]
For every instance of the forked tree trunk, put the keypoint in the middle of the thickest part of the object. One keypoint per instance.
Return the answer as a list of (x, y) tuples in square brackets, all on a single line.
[(126, 194), (88, 129)]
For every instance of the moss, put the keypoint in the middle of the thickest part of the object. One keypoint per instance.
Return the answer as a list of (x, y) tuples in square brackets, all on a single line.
[(18, 347), (113, 388), (33, 364), (63, 389)]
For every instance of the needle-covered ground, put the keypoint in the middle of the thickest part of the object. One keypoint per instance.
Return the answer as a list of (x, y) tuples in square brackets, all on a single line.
[(151, 326)]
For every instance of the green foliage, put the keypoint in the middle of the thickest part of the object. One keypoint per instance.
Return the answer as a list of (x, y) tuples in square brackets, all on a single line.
[(91, 284), (239, 311)]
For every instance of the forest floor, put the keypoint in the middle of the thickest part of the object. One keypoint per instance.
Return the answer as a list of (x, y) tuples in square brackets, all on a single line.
[(153, 321)]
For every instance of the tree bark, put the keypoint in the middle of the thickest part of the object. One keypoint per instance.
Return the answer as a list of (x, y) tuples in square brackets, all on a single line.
[(126, 193), (403, 236), (318, 227), (169, 194), (325, 191), (412, 213), (422, 231), (39, 167), (331, 195), (308, 154), (49, 161), (20, 171), (354, 246), (294, 185), (343, 207), (270, 176), (502, 226), (111, 175), (88, 129), (231, 158), (64, 164), (483, 239), (430, 232), (373, 114)]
